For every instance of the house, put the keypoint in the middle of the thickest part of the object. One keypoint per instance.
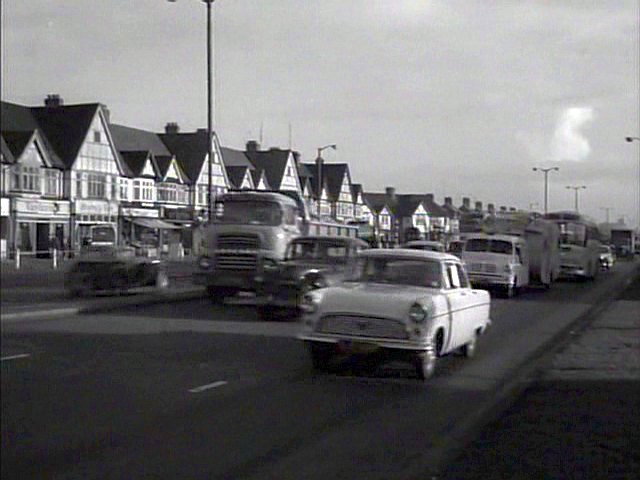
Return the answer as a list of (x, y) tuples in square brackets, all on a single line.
[(192, 152), (239, 169), (339, 193), (381, 207), (410, 218)]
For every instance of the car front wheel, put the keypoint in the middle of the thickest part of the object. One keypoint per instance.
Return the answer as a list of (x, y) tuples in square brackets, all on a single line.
[(425, 364), (469, 349), (320, 355)]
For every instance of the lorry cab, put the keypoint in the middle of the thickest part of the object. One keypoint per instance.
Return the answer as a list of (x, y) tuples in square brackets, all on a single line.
[(499, 261)]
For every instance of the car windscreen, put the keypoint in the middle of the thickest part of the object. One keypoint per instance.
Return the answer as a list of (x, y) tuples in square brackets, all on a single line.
[(318, 251), (489, 245), (400, 271), (249, 211), (605, 250)]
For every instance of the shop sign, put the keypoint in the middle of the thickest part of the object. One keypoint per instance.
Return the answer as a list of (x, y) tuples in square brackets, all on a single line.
[(95, 207), (4, 207), (50, 208), (178, 214), (139, 212)]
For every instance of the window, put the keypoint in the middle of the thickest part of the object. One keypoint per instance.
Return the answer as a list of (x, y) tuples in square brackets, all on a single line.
[(51, 182), (96, 136), (136, 191), (26, 179), (114, 188), (79, 185), (124, 189), (96, 187), (453, 276), (462, 275)]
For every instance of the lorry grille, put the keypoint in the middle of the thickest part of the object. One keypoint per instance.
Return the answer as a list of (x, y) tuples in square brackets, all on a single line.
[(236, 261), (359, 326), (236, 241), (482, 267)]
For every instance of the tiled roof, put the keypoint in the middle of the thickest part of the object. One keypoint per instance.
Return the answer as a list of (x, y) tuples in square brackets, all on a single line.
[(407, 204), (16, 118), (376, 201), (164, 162), (236, 175), (273, 162), (258, 175), (334, 173), (7, 156), (66, 127), (128, 139), (190, 149), (235, 158), (135, 161)]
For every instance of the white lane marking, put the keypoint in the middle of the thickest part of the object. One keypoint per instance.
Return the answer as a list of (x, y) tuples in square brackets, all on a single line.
[(15, 357), (202, 388)]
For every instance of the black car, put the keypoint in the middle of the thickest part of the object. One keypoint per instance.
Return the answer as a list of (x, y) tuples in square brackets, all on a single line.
[(115, 270), (311, 262)]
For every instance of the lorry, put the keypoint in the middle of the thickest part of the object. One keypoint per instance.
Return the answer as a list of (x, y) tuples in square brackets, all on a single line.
[(514, 250), (623, 241), (248, 238)]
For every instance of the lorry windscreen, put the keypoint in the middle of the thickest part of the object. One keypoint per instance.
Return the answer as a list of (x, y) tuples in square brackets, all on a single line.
[(487, 245), (249, 212)]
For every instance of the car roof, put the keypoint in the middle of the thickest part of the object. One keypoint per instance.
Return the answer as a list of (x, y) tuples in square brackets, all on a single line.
[(424, 242), (485, 236), (409, 253)]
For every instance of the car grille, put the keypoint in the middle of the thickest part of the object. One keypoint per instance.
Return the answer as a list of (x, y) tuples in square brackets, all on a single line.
[(238, 242), (360, 326), (236, 261), (483, 267)]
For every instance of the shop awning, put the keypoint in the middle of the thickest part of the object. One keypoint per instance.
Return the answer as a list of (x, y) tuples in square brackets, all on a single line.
[(155, 223)]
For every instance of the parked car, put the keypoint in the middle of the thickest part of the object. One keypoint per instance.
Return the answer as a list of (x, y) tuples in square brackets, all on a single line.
[(115, 270), (429, 245), (310, 262), (607, 257), (411, 304)]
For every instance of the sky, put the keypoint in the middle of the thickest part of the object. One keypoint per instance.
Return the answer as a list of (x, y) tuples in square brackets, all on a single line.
[(457, 98)]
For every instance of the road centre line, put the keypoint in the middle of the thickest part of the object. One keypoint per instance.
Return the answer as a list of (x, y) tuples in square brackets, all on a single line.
[(15, 357), (202, 388)]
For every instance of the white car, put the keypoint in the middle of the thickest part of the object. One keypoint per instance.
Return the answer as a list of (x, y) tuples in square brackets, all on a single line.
[(430, 245), (414, 303)]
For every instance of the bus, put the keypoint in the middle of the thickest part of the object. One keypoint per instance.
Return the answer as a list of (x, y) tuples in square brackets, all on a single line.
[(580, 243)]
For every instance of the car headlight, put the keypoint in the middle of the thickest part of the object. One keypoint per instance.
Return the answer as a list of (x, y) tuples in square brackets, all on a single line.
[(204, 263), (313, 281), (309, 303), (269, 265), (417, 313)]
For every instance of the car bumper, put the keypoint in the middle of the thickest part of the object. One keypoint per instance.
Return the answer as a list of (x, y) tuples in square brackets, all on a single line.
[(238, 280), (489, 280), (393, 344)]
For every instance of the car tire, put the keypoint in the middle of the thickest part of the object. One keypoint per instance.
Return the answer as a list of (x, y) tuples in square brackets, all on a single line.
[(468, 350), (266, 313), (320, 355), (218, 294), (425, 364), (510, 292)]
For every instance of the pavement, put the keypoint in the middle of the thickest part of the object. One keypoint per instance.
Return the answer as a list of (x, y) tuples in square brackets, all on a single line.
[(578, 417)]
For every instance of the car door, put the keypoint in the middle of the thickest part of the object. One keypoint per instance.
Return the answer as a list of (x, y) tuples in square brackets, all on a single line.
[(458, 299)]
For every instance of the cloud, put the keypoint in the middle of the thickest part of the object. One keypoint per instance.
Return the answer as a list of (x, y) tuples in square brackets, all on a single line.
[(569, 142)]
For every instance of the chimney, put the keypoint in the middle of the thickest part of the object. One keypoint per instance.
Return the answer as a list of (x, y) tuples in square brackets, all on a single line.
[(448, 201), (512, 209), (53, 100), (106, 113), (478, 206), (503, 208), (429, 197), (466, 202), (391, 193), (172, 128), (252, 146), (491, 208)]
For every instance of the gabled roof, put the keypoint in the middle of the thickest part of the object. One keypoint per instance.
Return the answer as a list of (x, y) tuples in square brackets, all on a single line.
[(258, 175), (235, 158), (16, 118), (7, 156), (190, 149), (356, 189), (433, 208), (236, 175), (335, 173), (16, 142), (376, 201), (136, 160), (273, 162), (407, 204), (164, 163), (66, 127)]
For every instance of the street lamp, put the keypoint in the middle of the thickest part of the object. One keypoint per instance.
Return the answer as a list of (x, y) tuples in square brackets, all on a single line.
[(607, 210), (546, 184), (209, 4), (319, 170), (576, 189), (637, 139)]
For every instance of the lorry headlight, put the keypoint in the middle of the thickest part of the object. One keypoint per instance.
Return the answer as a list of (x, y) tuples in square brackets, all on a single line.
[(508, 268), (269, 265), (204, 263), (417, 313), (309, 303)]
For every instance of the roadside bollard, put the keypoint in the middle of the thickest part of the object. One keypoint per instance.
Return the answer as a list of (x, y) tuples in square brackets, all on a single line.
[(55, 258), (17, 259)]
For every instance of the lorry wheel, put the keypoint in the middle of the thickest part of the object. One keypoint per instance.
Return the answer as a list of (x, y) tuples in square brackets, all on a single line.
[(218, 294), (266, 313), (511, 291)]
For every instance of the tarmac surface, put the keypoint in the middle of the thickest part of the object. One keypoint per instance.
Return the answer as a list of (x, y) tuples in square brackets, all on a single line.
[(577, 418)]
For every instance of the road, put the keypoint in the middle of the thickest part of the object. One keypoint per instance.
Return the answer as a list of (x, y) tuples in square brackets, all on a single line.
[(193, 390)]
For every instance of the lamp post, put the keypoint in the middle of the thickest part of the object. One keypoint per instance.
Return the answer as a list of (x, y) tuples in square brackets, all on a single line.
[(546, 184), (209, 4), (319, 170), (637, 139), (576, 189), (607, 210)]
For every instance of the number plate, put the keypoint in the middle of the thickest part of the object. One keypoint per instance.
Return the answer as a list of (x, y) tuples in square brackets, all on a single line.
[(362, 348)]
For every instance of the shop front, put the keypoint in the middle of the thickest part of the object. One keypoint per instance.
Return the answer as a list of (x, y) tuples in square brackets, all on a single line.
[(5, 226), (143, 229), (89, 213), (39, 225), (186, 219)]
